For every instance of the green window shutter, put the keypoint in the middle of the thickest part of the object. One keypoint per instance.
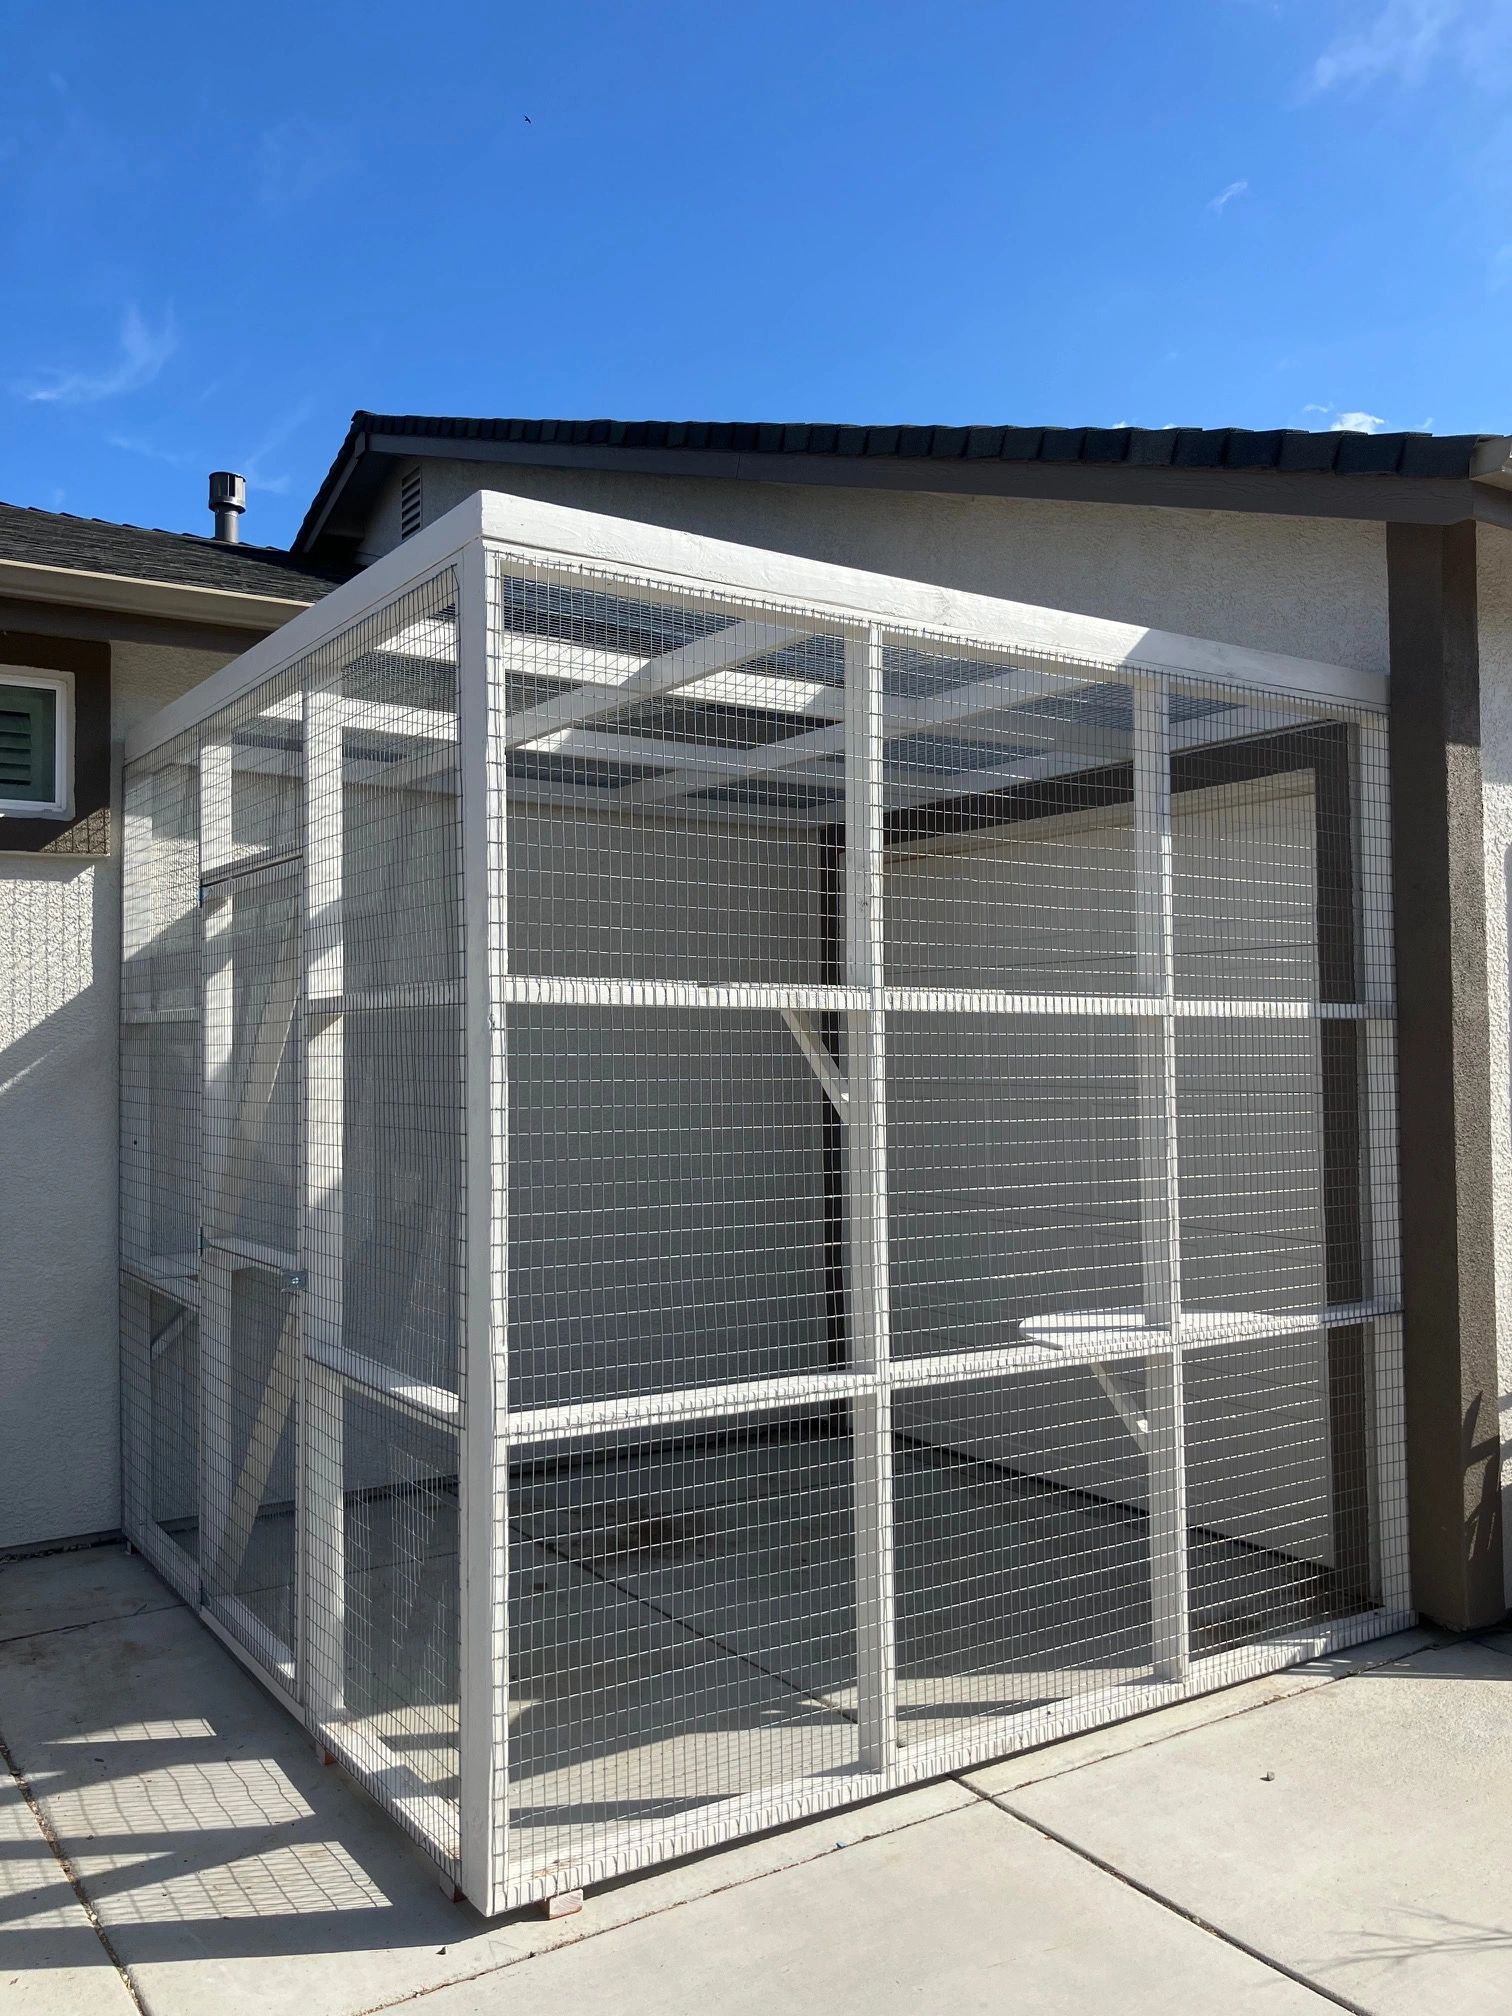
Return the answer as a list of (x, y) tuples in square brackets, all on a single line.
[(28, 744)]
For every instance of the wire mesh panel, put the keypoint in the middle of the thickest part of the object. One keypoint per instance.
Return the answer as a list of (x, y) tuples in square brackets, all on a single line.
[(981, 1038), (161, 1011), (160, 1429), (1022, 1543), (728, 1202), (249, 1384), (667, 1203), (681, 1631), (384, 1130)]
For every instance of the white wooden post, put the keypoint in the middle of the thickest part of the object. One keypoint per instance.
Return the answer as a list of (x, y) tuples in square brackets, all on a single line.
[(866, 1156), (1159, 1221), (136, 1169), (484, 1468), (136, 938), (1389, 1552), (322, 1464), (216, 1118)]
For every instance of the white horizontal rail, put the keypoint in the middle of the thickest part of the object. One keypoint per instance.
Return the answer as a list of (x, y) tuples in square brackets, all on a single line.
[(410, 1396), (135, 1018), (253, 1253), (528, 1425), (526, 990), (1097, 1341), (175, 1275), (795, 998), (410, 995), (265, 1645)]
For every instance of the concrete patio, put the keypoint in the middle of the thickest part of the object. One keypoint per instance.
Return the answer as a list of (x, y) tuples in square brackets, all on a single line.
[(1338, 1836)]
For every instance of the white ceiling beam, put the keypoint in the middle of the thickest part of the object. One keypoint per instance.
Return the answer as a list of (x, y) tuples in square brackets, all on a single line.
[(718, 651)]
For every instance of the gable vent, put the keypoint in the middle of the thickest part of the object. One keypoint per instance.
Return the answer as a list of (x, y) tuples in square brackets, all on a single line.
[(411, 501), (28, 741)]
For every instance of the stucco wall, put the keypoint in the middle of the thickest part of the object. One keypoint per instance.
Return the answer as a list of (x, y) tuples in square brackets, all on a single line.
[(1494, 578), (1313, 587), (59, 1008)]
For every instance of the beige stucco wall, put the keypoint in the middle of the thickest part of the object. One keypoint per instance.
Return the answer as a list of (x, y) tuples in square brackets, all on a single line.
[(1494, 577), (1313, 587), (59, 1011)]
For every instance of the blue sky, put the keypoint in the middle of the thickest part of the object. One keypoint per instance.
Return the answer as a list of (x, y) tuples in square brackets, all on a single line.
[(225, 227)]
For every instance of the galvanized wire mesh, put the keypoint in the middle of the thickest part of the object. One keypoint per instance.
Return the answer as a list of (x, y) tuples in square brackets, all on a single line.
[(987, 1050), (785, 1203), (292, 1153)]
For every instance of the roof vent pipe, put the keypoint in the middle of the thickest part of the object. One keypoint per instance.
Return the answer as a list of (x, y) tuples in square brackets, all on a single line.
[(228, 500)]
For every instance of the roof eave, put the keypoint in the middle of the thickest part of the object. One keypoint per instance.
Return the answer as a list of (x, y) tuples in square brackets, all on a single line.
[(227, 608), (335, 514), (1493, 463)]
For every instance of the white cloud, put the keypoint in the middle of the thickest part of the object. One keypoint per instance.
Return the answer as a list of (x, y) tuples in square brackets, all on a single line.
[(252, 465), (1226, 196), (1353, 422), (1398, 41), (142, 354), (137, 444)]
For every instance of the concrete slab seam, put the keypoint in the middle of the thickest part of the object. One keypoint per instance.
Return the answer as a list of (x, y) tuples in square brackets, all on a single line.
[(89, 1623), (70, 1874), (1217, 1932)]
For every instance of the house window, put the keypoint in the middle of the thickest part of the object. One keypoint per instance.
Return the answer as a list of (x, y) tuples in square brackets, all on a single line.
[(36, 742)]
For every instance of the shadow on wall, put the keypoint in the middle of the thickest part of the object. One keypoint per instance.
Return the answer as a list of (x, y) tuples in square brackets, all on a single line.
[(59, 955)]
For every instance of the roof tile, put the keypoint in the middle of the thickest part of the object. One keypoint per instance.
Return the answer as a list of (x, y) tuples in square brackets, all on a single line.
[(1287, 451), (139, 553)]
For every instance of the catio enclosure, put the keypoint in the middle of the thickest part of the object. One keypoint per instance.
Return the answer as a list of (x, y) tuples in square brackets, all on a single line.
[(744, 1182)]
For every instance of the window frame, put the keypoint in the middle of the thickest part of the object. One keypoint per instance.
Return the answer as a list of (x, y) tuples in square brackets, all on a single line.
[(60, 805)]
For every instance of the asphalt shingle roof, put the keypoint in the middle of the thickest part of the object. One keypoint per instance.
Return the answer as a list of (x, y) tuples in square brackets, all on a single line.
[(182, 559)]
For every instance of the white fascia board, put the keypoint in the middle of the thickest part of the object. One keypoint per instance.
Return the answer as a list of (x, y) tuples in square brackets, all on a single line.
[(415, 561), (692, 564), (698, 564), (127, 594)]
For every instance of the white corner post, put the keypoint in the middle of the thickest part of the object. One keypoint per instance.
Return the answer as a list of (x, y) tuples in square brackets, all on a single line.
[(1165, 1438), (866, 1161), (215, 1121), (135, 1166), (483, 1455), (322, 1650), (1390, 1563)]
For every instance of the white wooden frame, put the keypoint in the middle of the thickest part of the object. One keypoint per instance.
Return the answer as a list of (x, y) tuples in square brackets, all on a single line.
[(773, 599)]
